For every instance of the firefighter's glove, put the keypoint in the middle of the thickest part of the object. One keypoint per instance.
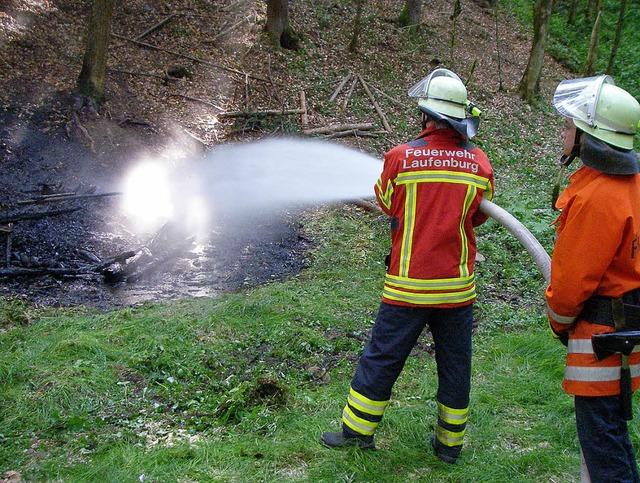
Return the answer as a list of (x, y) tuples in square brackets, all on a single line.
[(563, 337)]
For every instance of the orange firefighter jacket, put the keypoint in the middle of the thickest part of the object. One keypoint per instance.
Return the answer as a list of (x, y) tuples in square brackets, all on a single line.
[(596, 254), (431, 188)]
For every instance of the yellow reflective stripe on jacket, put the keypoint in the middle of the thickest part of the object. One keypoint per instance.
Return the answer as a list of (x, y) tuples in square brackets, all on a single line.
[(450, 438), (384, 195), (443, 177), (365, 404), (451, 415), (359, 425), (429, 298), (409, 225), (462, 283), (464, 252)]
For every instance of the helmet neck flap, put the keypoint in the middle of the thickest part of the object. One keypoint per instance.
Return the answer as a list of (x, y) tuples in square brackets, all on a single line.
[(608, 159)]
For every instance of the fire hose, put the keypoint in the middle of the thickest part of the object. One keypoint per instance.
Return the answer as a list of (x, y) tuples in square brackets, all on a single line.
[(522, 234), (604, 344)]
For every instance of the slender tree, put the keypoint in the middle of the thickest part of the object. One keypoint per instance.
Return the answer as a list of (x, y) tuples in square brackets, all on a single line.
[(592, 56), (618, 36), (457, 10), (411, 14), (573, 10), (530, 83), (278, 27), (357, 27), (94, 65)]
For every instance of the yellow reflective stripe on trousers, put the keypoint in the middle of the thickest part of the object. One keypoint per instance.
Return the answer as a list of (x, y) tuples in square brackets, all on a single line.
[(359, 425), (452, 416), (384, 195), (429, 298), (365, 404), (449, 438)]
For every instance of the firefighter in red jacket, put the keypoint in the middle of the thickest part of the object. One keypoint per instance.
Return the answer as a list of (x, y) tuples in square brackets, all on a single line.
[(431, 188), (595, 269)]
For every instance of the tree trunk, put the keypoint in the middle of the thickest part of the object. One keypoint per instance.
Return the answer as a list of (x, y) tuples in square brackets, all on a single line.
[(411, 14), (571, 20), (592, 57), (617, 38), (357, 27), (530, 83), (94, 65), (278, 27)]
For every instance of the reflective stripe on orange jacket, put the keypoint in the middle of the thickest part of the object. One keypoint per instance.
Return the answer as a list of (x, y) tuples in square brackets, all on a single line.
[(431, 188), (596, 253)]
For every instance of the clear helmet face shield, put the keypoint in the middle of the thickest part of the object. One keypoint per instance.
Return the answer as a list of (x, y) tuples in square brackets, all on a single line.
[(578, 98), (421, 88)]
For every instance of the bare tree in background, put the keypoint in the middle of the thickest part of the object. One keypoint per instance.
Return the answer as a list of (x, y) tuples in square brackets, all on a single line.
[(592, 56), (616, 40), (278, 27), (357, 27), (573, 10), (411, 14), (94, 65), (530, 83)]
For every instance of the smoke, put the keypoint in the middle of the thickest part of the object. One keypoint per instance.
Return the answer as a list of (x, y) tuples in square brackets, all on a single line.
[(257, 177)]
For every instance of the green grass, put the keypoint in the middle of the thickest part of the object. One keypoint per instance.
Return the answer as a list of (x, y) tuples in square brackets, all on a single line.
[(239, 388)]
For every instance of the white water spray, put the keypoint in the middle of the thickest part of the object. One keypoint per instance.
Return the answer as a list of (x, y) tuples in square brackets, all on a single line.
[(256, 177)]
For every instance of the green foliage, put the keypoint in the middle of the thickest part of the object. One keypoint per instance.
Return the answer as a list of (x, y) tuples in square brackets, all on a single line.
[(240, 387), (570, 43)]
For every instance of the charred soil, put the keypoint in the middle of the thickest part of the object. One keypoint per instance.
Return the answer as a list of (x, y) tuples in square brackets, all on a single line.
[(63, 236)]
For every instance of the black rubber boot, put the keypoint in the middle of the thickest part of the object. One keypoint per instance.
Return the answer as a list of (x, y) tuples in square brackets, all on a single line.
[(439, 451), (339, 439)]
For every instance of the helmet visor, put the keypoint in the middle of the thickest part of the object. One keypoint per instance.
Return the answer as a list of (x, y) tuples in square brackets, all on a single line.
[(422, 87), (578, 98)]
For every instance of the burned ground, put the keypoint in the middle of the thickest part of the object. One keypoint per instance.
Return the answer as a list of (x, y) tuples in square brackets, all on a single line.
[(166, 95)]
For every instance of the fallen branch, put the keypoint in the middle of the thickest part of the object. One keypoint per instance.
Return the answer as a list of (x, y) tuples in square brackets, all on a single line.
[(340, 127), (230, 29), (348, 96), (34, 216), (65, 197), (194, 59), (304, 119), (340, 87), (154, 28), (268, 112), (366, 205), (352, 132), (195, 99), (385, 123)]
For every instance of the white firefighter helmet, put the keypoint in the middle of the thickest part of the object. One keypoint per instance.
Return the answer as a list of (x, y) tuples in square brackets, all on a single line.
[(443, 96), (600, 108)]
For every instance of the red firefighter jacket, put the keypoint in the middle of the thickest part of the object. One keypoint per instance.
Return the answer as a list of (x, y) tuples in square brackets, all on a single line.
[(595, 254), (431, 188)]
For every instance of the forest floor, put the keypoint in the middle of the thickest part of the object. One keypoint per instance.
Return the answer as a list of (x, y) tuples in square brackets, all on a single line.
[(165, 95)]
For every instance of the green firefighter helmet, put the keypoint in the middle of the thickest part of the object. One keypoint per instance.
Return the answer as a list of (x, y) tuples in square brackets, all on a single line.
[(443, 92), (443, 96), (600, 108)]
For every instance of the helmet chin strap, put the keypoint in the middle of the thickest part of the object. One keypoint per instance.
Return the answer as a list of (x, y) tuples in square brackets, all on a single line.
[(565, 162)]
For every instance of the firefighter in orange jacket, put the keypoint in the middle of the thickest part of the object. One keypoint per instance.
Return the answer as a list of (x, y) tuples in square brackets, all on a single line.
[(431, 188), (595, 268)]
